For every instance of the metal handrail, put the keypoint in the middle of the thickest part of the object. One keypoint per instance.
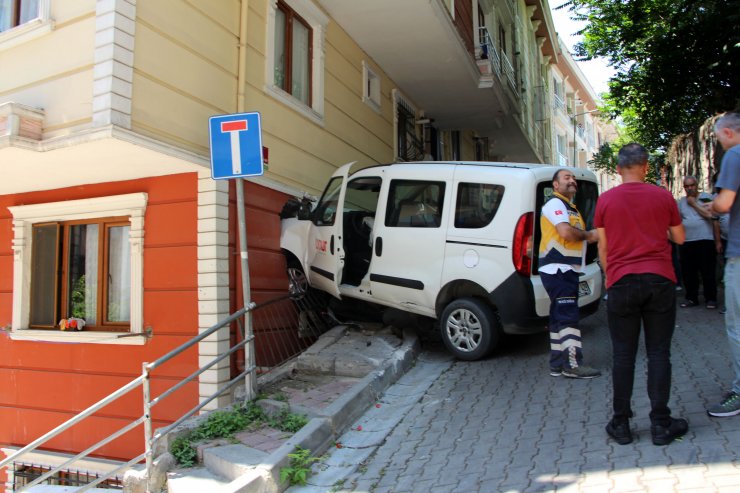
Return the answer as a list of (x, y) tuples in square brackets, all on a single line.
[(143, 380), (74, 420)]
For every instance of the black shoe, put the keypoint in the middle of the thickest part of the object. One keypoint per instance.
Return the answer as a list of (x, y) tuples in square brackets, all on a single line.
[(583, 372), (663, 435), (619, 431)]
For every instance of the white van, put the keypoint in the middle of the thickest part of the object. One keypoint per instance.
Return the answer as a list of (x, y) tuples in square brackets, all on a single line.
[(453, 241)]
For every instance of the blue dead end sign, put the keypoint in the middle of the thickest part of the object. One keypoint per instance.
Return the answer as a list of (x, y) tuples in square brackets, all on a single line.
[(236, 145)]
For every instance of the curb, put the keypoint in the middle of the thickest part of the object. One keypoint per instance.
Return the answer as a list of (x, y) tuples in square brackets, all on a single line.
[(320, 432)]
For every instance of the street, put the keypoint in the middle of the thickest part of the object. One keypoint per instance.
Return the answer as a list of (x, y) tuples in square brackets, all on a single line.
[(504, 425)]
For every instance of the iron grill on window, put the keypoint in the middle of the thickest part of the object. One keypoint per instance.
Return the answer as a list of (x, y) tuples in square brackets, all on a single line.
[(410, 146), (24, 473)]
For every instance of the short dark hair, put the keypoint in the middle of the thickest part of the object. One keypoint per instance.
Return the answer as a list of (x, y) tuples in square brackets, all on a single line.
[(557, 173), (729, 120), (632, 154)]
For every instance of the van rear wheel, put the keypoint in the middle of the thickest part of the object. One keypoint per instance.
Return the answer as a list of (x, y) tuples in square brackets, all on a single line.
[(469, 328)]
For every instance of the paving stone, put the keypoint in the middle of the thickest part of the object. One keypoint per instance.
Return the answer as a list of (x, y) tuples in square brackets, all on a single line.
[(348, 456), (502, 424)]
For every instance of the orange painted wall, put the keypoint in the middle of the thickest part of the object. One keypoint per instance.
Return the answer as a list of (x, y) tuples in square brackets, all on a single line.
[(267, 275), (44, 384)]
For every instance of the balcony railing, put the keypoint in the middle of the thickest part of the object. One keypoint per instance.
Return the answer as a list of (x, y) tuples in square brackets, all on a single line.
[(558, 103), (511, 5), (489, 51), (509, 73), (498, 61)]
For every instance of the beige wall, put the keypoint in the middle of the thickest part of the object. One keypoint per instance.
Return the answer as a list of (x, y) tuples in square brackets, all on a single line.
[(186, 68), (60, 81)]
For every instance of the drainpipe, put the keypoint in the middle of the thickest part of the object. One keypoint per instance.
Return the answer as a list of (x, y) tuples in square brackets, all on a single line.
[(242, 64), (249, 378)]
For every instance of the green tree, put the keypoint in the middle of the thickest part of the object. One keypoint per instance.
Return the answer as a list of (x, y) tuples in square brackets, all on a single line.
[(605, 159), (677, 62)]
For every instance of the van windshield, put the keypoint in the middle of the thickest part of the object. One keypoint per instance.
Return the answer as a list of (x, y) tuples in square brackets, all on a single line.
[(585, 202)]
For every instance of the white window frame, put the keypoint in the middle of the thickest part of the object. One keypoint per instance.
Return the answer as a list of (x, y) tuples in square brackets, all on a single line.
[(318, 22), (32, 29), (370, 87), (132, 205)]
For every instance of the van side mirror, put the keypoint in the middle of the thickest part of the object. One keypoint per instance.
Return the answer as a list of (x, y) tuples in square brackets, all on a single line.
[(300, 209), (304, 211)]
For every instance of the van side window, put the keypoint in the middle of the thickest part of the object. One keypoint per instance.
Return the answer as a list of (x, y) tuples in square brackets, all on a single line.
[(477, 204), (326, 210), (415, 204)]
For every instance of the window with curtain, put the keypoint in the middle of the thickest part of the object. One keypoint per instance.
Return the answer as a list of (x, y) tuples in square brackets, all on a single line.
[(82, 270), (16, 12), (293, 53)]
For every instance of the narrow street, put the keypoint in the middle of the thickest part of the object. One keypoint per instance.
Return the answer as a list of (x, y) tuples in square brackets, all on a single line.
[(503, 424)]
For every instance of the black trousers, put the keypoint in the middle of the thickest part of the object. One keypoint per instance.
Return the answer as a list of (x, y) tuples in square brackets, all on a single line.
[(647, 301), (699, 258)]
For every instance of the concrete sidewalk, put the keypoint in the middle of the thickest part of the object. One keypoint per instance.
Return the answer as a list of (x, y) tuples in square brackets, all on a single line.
[(335, 381)]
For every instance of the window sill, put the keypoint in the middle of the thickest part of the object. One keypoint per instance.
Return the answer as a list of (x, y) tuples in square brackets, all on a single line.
[(295, 104), (372, 104), (25, 32), (68, 337)]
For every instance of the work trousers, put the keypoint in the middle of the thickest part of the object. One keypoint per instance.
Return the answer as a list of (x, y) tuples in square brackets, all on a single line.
[(565, 336)]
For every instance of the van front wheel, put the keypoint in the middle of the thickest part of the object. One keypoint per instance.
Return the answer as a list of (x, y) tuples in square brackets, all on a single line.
[(469, 328)]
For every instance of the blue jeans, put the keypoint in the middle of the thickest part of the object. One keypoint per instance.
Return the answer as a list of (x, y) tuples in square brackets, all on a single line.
[(650, 300), (565, 337), (732, 317)]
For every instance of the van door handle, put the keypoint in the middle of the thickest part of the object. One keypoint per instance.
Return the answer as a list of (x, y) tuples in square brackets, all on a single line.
[(378, 246), (331, 245)]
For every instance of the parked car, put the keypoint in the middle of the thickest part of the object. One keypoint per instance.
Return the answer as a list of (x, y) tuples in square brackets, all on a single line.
[(452, 241)]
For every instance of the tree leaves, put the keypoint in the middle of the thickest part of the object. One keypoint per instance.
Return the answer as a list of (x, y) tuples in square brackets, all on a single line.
[(677, 61)]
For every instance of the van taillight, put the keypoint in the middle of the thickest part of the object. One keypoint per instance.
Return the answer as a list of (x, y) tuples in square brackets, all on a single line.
[(523, 239)]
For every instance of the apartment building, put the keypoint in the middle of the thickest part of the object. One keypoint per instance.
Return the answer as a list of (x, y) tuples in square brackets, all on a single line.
[(108, 213)]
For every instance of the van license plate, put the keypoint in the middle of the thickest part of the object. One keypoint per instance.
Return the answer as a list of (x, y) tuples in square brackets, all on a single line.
[(583, 289)]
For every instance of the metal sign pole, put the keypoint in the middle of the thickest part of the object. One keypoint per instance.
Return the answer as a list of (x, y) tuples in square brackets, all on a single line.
[(249, 383), (236, 152)]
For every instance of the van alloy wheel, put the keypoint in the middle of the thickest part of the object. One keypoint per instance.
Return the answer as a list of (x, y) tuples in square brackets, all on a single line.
[(297, 281), (469, 328)]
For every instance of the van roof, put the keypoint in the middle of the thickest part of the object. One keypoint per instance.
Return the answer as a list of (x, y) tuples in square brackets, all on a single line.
[(539, 169)]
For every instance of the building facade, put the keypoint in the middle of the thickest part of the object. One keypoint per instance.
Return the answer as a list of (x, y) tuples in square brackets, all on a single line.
[(108, 213), (578, 131)]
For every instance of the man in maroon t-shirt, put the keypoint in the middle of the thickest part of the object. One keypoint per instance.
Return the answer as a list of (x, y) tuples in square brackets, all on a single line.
[(634, 222)]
